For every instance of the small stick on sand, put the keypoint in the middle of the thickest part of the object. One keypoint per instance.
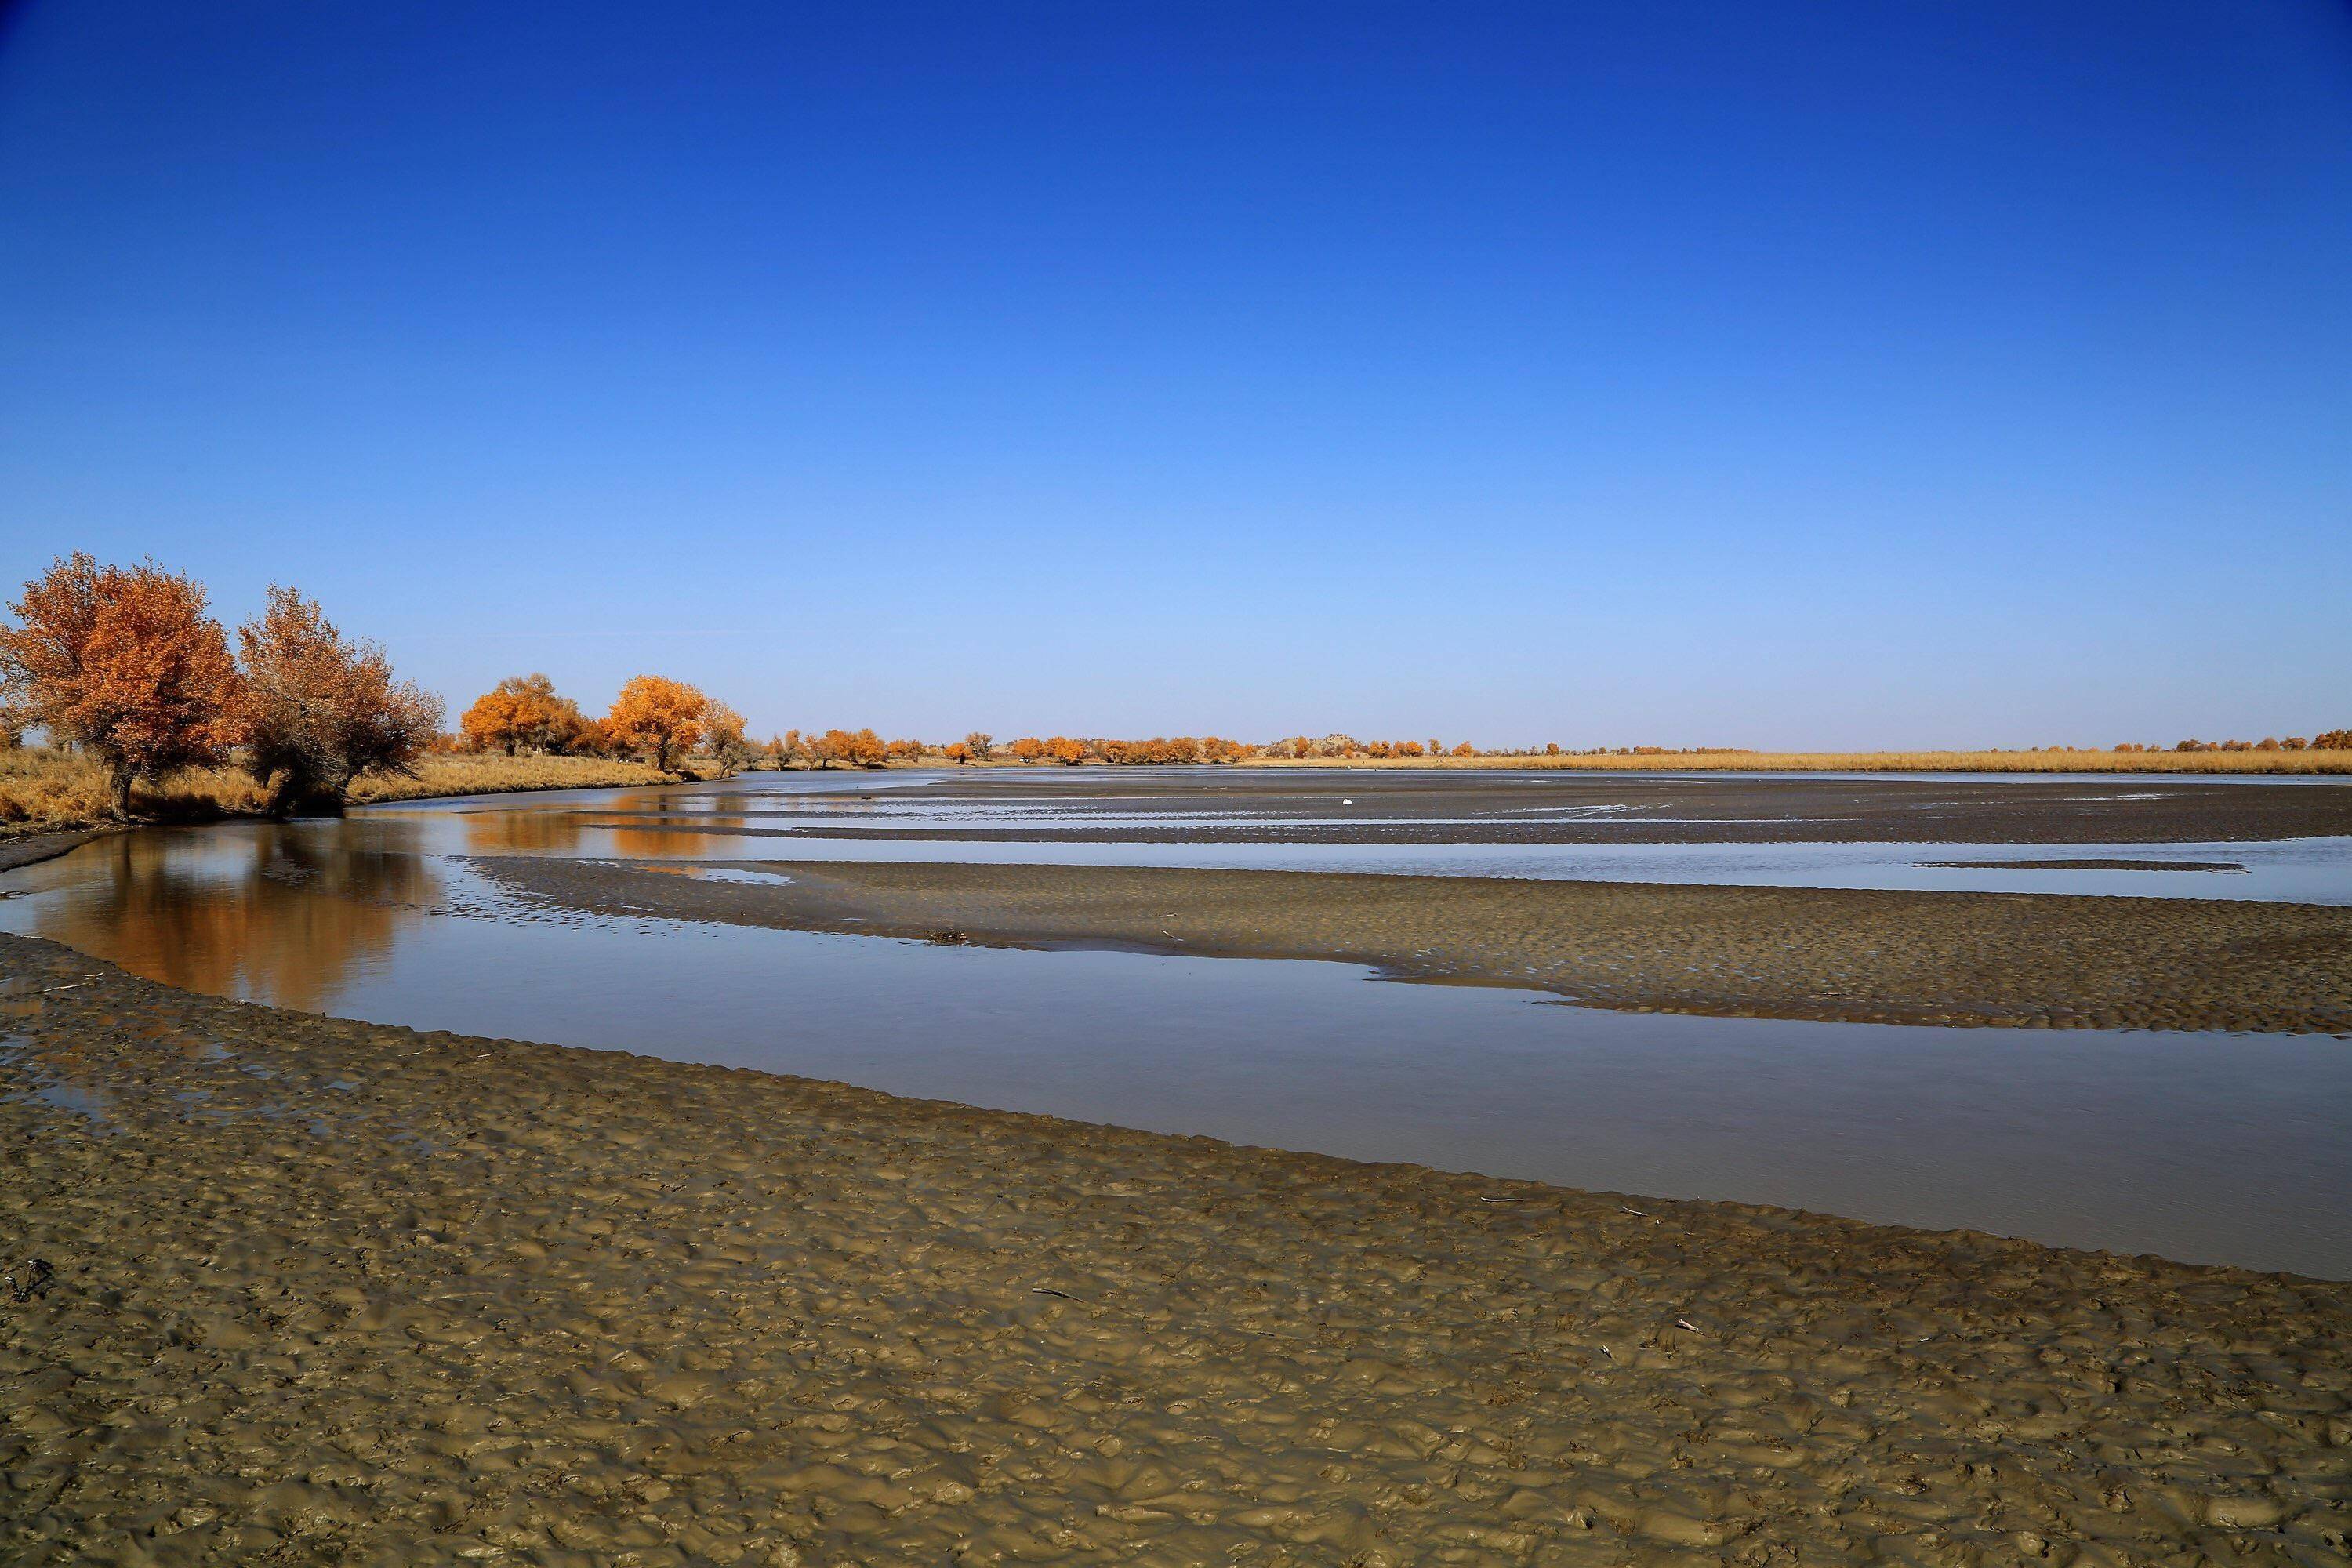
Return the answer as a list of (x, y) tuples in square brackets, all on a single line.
[(1643, 1214)]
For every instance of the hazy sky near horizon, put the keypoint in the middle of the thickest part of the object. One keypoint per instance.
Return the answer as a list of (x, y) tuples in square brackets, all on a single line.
[(1842, 375)]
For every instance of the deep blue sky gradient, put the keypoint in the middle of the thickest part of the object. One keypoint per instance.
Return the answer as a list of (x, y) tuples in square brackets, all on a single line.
[(1826, 375)]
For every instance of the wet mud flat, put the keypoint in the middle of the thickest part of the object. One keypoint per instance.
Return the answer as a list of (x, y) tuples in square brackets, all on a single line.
[(335, 1292), (2001, 959), (1401, 806)]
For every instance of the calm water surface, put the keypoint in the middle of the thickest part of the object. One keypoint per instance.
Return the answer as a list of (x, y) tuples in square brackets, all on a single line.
[(2209, 1148), (769, 817)]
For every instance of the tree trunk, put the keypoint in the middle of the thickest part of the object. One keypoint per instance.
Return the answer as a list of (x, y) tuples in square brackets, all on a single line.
[(118, 782)]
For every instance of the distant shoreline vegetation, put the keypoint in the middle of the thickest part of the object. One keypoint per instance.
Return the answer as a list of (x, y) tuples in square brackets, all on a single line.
[(151, 713)]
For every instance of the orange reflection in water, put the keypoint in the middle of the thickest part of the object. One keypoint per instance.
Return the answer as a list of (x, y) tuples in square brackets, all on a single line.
[(521, 832), (655, 843), (281, 915)]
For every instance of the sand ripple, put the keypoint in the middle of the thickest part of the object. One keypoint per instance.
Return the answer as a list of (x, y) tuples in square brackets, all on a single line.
[(337, 1292)]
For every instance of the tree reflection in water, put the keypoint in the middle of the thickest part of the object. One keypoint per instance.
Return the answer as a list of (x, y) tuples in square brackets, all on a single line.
[(283, 914)]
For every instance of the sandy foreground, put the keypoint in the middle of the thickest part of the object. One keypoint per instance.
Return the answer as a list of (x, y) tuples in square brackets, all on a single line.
[(2009, 959), (329, 1291)]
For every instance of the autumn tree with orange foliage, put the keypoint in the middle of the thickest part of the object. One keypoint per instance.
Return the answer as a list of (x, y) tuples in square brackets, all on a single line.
[(853, 749), (522, 712), (957, 752), (658, 716), (1066, 750), (124, 663), (723, 740), (1028, 749), (315, 710)]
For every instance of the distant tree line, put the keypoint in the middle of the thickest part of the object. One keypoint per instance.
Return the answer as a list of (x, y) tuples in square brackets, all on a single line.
[(126, 665), (2325, 740)]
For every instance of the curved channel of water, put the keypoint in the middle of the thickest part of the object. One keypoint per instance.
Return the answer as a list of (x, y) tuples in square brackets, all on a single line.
[(2209, 1148)]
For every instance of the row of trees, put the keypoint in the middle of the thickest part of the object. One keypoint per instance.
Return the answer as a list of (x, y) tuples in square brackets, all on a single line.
[(662, 720), (2325, 740), (126, 664), (1343, 745), (841, 749)]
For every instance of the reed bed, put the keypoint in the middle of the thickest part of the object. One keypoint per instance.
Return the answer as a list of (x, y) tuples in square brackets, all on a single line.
[(43, 790), (464, 773), (2084, 762)]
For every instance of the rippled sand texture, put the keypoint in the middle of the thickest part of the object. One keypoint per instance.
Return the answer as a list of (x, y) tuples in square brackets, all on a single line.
[(337, 1292), (2018, 959)]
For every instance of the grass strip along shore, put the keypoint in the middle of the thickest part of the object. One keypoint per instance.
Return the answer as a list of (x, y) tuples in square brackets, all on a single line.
[(46, 791)]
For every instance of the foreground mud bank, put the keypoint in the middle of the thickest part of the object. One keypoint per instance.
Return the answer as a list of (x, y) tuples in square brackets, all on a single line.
[(334, 1292), (2009, 959)]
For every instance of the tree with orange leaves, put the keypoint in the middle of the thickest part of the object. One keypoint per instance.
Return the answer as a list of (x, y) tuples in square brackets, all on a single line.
[(498, 721), (1028, 749), (657, 716), (857, 749), (124, 663), (957, 752), (522, 712), (723, 739), (1063, 750), (315, 710)]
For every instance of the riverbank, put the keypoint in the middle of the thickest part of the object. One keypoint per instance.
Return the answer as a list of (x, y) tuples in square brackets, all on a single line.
[(44, 792), (2001, 959), (328, 1292)]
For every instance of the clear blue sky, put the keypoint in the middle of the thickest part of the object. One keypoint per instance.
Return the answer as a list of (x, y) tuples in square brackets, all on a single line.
[(1826, 374)]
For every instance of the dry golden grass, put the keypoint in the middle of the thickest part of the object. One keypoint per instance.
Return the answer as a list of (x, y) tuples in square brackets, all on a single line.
[(42, 790), (2087, 762), (466, 772)]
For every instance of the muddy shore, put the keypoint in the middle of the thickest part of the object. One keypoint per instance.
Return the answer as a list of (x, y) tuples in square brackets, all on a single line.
[(2008, 958), (1281, 805), (32, 848), (334, 1292)]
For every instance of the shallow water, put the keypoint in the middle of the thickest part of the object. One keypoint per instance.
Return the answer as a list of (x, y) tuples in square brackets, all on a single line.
[(2206, 1147), (786, 817)]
